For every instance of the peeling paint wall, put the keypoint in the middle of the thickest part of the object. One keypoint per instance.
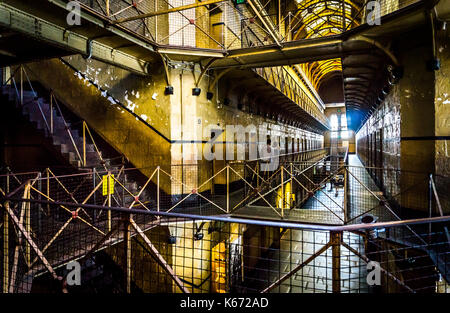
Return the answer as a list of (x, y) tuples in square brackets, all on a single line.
[(442, 103), (142, 146)]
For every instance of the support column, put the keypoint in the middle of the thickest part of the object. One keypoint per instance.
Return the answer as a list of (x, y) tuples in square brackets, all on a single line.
[(335, 238)]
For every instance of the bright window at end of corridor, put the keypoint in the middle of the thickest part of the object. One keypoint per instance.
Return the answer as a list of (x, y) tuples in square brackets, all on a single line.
[(334, 122)]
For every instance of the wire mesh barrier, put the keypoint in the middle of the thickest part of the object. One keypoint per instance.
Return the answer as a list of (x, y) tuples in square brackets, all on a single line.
[(305, 187), (288, 83), (128, 250), (226, 25), (305, 226)]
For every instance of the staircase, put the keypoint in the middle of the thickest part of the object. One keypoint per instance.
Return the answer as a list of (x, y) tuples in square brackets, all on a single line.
[(66, 138), (49, 120)]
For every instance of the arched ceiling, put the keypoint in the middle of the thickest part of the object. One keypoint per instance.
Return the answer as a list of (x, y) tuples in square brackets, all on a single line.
[(319, 18)]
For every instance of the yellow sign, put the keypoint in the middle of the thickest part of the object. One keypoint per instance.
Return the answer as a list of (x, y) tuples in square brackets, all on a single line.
[(105, 184), (288, 200)]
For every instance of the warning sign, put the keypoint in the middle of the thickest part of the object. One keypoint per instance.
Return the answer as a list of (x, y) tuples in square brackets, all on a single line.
[(108, 185)]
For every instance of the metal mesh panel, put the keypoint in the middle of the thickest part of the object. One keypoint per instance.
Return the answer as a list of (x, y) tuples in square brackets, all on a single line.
[(141, 251), (225, 25)]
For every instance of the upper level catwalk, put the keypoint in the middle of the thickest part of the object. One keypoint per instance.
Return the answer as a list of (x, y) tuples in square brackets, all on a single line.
[(139, 42)]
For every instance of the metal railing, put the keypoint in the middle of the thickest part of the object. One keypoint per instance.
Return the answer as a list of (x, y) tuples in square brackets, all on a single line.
[(159, 241), (280, 78), (147, 251), (305, 187), (220, 24)]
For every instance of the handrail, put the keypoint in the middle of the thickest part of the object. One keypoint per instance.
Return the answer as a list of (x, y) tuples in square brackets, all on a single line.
[(284, 155), (251, 221), (68, 130), (306, 103), (73, 68)]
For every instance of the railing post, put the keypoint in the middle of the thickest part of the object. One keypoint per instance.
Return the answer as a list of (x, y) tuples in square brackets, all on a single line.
[(94, 176), (51, 113), (157, 190), (84, 143), (40, 205), (7, 180), (289, 35), (109, 199), (257, 174), (127, 247), (156, 21), (21, 84), (107, 7), (282, 191), (48, 189), (228, 188), (335, 238), (5, 249)]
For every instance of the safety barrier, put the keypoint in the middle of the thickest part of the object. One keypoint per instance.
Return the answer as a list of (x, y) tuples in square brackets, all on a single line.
[(148, 251)]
